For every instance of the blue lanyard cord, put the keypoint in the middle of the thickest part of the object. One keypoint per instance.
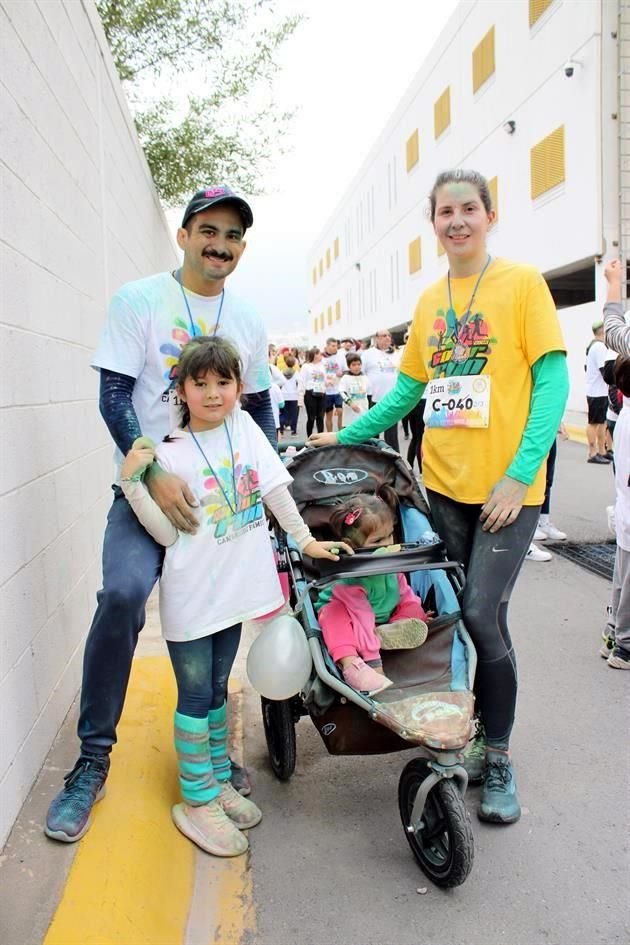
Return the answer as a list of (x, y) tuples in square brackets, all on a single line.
[(468, 308), (193, 330), (233, 508)]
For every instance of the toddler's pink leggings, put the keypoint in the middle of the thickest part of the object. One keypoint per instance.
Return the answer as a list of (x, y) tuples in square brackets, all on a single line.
[(348, 621)]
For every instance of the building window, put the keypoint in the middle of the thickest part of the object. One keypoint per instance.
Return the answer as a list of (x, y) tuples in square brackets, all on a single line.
[(415, 256), (493, 187), (328, 259), (315, 325), (442, 113), (330, 314), (536, 10), (321, 322), (336, 248), (314, 275), (321, 267), (337, 309), (412, 149), (483, 65), (547, 163)]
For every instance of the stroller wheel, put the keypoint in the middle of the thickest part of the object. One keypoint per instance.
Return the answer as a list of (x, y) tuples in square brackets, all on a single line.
[(443, 844), (278, 722)]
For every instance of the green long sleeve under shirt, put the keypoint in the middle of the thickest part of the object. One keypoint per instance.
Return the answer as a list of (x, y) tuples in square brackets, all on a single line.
[(549, 396)]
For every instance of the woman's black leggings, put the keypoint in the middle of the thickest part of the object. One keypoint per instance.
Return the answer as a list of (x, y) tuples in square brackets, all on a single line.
[(491, 563), (314, 404)]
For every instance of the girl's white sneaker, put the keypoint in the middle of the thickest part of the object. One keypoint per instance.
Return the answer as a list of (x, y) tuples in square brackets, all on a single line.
[(210, 828)]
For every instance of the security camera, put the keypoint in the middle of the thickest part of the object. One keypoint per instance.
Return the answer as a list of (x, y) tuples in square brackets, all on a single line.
[(569, 67)]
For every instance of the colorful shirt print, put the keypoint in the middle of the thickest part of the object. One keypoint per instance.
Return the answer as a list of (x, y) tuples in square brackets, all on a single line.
[(513, 323)]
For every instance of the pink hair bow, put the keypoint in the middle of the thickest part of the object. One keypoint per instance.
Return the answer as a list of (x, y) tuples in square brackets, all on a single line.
[(352, 516)]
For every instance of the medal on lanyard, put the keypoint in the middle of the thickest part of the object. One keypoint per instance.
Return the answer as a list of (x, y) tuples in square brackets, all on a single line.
[(459, 350), (193, 329), (233, 508)]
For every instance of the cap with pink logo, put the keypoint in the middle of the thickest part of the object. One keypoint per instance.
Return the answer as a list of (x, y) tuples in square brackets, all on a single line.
[(211, 196)]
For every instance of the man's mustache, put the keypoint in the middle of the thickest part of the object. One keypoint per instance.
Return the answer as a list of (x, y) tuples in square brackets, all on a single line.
[(212, 254)]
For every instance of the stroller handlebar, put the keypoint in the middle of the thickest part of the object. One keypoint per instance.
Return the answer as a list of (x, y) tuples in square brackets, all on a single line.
[(411, 557)]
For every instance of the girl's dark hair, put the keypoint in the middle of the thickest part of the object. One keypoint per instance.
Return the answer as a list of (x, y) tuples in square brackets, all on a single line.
[(310, 354), (459, 176), (204, 354), (622, 375), (374, 510), (289, 360)]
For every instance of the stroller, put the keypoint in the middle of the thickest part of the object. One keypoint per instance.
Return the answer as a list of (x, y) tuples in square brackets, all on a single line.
[(430, 704)]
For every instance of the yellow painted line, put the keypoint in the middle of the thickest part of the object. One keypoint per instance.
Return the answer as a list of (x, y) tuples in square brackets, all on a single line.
[(236, 916), (132, 878), (576, 434)]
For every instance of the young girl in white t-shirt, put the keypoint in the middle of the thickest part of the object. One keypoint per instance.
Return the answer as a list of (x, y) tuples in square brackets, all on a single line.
[(217, 577)]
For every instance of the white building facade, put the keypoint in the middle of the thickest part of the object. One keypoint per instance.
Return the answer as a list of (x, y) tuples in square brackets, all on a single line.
[(535, 94)]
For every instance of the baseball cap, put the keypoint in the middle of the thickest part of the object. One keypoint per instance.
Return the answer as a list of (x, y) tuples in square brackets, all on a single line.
[(213, 195), (597, 324)]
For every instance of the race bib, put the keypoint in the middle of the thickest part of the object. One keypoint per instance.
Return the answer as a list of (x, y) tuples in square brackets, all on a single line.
[(458, 402)]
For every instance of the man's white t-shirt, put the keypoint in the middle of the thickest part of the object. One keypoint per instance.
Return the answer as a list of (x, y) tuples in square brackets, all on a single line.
[(225, 573), (380, 370), (354, 389), (147, 326), (334, 366), (597, 356)]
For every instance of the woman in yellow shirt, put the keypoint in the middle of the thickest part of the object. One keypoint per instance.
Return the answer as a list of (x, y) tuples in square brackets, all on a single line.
[(486, 352)]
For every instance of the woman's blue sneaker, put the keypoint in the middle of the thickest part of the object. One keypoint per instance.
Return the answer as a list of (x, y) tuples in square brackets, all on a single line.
[(499, 799), (68, 816), (475, 755)]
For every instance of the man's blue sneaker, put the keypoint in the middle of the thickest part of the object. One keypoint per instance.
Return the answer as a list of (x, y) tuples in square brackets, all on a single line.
[(499, 799), (475, 755), (68, 817)]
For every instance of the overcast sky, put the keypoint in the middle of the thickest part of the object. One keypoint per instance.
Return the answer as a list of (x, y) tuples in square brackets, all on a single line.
[(346, 69)]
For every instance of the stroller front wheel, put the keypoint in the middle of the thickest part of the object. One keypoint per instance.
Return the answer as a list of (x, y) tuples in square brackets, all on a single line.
[(443, 843), (279, 725)]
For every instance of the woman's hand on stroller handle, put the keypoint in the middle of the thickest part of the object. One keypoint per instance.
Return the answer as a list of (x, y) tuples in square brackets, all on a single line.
[(327, 549), (322, 439)]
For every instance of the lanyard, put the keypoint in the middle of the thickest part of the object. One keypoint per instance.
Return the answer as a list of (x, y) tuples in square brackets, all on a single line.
[(233, 508), (193, 329), (468, 308)]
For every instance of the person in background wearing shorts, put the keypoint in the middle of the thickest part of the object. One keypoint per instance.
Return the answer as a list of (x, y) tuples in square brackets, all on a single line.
[(596, 396), (334, 365)]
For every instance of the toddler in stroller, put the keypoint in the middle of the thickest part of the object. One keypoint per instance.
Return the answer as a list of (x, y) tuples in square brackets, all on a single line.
[(359, 615)]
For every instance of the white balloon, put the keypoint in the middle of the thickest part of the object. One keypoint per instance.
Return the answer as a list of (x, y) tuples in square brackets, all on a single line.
[(279, 661)]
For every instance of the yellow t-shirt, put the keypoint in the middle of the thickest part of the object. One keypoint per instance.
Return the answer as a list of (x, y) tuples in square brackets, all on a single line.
[(512, 324)]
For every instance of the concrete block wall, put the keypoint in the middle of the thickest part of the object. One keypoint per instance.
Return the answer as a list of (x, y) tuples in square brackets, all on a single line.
[(79, 216)]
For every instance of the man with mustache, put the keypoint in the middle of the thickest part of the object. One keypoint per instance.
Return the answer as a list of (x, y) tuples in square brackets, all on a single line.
[(148, 323)]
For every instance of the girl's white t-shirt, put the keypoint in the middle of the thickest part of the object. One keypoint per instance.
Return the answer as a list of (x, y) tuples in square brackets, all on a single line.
[(147, 326), (313, 377), (225, 573)]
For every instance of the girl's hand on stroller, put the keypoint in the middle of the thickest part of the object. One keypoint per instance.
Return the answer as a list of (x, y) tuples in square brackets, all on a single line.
[(322, 439), (327, 549), (503, 504)]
